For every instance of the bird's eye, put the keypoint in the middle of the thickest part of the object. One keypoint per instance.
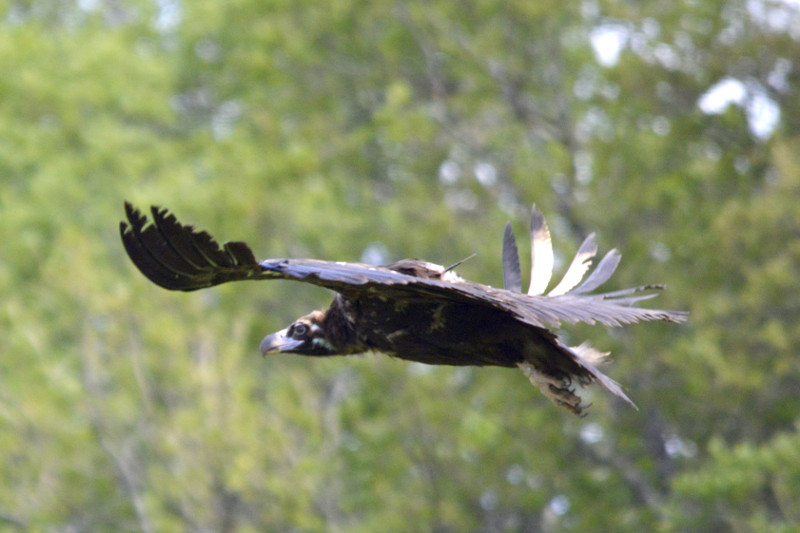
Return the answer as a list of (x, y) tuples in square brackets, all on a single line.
[(299, 330)]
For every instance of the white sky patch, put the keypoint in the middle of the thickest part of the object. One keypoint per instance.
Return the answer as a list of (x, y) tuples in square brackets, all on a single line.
[(592, 433), (88, 5), (762, 112), (678, 447), (722, 94), (777, 79), (224, 118), (486, 174), (376, 253), (608, 41), (559, 505), (169, 14), (515, 474), (762, 115), (449, 172), (776, 15)]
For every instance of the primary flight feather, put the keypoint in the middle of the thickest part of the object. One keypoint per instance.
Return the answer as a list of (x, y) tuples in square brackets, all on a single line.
[(413, 309)]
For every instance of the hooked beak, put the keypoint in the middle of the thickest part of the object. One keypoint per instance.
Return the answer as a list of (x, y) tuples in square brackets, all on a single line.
[(278, 342)]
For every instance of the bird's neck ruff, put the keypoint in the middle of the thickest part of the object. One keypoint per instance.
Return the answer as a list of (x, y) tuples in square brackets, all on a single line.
[(339, 324)]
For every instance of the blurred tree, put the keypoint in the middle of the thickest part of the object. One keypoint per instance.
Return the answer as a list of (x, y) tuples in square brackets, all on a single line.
[(380, 130)]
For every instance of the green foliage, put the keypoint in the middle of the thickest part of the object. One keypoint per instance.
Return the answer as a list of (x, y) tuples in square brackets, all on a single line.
[(408, 130)]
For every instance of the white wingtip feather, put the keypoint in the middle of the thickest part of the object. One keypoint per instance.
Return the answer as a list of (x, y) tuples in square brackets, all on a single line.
[(541, 254), (580, 264)]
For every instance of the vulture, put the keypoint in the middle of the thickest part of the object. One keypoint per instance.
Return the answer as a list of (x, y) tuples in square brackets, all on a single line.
[(416, 310)]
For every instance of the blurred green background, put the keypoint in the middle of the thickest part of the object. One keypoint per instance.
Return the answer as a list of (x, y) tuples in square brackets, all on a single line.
[(379, 130)]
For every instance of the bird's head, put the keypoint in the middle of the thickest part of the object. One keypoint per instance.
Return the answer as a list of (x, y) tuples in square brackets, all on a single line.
[(306, 336)]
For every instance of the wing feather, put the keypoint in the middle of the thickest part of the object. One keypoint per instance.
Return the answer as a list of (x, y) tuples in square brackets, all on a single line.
[(512, 274), (146, 263), (580, 264), (601, 274), (541, 253), (240, 252), (178, 237)]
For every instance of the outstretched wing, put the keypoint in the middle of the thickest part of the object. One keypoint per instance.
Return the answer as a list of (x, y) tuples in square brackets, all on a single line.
[(179, 257)]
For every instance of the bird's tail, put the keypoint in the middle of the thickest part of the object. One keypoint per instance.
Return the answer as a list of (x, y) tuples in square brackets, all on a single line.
[(560, 389), (588, 357)]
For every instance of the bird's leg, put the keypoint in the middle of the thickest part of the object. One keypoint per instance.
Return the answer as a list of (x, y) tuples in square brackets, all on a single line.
[(557, 390)]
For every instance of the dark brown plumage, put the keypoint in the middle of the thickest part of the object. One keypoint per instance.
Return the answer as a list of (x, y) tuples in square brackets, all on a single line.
[(416, 310)]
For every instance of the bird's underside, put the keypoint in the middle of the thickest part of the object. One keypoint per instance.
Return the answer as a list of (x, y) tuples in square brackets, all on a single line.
[(416, 310)]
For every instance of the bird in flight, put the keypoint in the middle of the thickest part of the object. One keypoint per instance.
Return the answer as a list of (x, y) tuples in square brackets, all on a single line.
[(415, 310)]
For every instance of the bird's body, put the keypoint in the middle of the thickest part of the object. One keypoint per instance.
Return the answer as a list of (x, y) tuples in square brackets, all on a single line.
[(412, 309)]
